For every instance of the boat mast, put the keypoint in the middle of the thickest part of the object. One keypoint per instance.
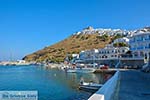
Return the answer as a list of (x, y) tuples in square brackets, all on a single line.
[(94, 58)]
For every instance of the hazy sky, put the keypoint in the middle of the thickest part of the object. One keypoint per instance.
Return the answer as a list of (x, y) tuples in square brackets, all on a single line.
[(29, 25)]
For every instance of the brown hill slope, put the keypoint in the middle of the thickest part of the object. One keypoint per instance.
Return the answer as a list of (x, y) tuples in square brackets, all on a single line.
[(73, 44)]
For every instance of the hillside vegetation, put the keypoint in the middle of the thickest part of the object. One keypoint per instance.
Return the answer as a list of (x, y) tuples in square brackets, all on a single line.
[(73, 44)]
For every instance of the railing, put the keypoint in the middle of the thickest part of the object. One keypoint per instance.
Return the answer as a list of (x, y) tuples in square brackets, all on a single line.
[(147, 47), (132, 58), (116, 58), (132, 49), (106, 92), (139, 48), (140, 40), (147, 38)]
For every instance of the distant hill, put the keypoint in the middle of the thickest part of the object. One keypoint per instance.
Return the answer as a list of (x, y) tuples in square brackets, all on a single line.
[(73, 44), (88, 38)]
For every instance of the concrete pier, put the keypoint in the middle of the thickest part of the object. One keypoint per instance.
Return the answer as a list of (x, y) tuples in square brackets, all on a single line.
[(125, 85), (106, 92), (133, 85)]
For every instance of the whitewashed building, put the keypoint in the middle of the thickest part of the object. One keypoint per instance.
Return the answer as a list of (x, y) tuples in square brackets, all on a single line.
[(121, 40), (107, 53), (140, 45), (88, 54), (101, 31), (111, 53)]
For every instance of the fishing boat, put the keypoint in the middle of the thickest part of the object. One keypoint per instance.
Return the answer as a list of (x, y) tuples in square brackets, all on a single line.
[(89, 87)]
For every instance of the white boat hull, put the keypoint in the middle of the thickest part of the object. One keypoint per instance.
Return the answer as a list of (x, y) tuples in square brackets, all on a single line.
[(85, 70), (71, 71), (81, 70), (91, 87)]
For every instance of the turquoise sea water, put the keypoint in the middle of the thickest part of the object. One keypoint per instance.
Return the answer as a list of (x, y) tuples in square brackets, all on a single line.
[(50, 84)]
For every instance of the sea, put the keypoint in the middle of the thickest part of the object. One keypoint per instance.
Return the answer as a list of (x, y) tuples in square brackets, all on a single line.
[(51, 84)]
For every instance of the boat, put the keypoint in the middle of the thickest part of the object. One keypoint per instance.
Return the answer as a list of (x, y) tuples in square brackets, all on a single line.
[(80, 70), (71, 70), (85, 70), (89, 87)]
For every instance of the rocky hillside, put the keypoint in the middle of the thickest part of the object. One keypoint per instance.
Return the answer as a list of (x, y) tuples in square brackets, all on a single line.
[(88, 38), (73, 44)]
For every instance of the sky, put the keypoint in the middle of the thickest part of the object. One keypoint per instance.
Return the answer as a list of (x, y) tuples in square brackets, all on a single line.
[(30, 25)]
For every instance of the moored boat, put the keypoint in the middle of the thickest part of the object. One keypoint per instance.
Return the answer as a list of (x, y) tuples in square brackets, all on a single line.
[(90, 87), (80, 70), (71, 70), (85, 70)]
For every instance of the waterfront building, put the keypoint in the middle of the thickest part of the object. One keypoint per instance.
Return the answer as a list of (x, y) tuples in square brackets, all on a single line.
[(140, 45), (107, 53), (88, 54), (110, 52)]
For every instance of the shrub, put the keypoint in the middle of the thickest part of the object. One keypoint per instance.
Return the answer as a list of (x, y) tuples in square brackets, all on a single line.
[(120, 44)]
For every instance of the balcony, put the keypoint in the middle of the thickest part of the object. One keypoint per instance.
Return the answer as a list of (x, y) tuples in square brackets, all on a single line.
[(132, 41), (147, 39), (140, 39), (148, 47), (132, 49), (140, 48)]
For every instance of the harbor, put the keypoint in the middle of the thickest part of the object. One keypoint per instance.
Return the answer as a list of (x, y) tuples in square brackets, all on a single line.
[(53, 84), (125, 82)]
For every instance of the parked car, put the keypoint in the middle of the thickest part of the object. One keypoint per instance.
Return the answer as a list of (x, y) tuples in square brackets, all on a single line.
[(104, 67)]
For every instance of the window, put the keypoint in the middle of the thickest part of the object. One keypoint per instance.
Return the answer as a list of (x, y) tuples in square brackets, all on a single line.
[(141, 54), (112, 51), (123, 51), (145, 56), (115, 51), (136, 54)]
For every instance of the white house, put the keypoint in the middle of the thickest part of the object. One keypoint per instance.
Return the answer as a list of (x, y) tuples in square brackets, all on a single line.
[(88, 54), (107, 53), (122, 40), (111, 53)]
